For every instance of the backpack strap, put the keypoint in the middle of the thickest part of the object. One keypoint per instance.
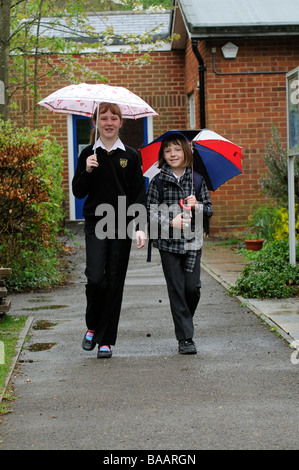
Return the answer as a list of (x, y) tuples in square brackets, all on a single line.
[(159, 185), (197, 179)]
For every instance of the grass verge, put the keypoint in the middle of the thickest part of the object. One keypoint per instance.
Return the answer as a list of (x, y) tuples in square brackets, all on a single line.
[(10, 329)]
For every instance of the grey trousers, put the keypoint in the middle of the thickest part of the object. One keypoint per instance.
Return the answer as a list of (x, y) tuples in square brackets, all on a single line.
[(183, 291)]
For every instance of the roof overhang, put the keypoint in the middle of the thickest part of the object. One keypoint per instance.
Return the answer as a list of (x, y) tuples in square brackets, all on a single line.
[(185, 25), (224, 32)]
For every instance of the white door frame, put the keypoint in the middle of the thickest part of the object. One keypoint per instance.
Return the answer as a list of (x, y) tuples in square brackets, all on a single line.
[(148, 134)]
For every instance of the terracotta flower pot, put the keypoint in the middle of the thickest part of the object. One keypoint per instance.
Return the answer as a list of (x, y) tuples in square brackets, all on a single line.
[(254, 245)]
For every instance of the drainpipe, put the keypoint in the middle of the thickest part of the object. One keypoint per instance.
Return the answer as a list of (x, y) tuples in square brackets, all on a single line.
[(201, 73), (202, 106)]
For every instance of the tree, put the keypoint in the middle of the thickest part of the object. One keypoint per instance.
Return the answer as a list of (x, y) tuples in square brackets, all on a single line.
[(47, 37), (5, 6), (110, 5)]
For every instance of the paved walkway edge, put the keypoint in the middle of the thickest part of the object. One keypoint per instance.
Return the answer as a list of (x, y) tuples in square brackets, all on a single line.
[(19, 346), (255, 310), (215, 276)]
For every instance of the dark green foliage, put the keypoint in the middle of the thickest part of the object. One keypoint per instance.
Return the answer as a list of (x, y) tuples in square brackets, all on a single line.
[(269, 273)]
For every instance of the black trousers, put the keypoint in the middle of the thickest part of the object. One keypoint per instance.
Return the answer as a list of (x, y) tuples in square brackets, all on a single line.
[(106, 268), (183, 291)]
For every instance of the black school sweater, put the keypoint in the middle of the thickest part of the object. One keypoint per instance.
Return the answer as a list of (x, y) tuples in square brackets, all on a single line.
[(118, 174)]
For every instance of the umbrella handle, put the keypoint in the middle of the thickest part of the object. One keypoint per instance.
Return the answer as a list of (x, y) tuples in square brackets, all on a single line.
[(186, 208)]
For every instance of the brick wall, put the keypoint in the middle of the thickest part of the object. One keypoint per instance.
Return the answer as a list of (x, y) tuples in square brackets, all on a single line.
[(161, 84), (243, 109)]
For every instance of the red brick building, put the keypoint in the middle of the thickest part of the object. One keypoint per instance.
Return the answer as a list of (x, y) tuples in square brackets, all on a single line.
[(192, 85), (243, 95)]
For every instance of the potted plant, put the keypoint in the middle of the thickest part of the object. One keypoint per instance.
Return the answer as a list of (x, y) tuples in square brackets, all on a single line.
[(254, 241), (261, 226)]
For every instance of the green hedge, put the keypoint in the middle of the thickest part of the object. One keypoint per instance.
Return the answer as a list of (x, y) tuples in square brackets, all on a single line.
[(31, 210)]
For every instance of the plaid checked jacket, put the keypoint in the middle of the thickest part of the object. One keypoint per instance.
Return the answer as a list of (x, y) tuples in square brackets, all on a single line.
[(164, 237)]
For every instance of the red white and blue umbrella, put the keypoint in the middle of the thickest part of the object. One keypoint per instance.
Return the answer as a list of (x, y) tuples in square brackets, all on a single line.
[(215, 158)]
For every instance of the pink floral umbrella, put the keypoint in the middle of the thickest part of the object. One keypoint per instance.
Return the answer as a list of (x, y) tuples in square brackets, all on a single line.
[(83, 99)]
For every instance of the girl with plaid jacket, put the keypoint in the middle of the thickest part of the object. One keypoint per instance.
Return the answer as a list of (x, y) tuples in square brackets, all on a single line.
[(177, 233)]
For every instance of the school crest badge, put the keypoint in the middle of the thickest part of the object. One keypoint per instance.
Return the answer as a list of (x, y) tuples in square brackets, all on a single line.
[(123, 162)]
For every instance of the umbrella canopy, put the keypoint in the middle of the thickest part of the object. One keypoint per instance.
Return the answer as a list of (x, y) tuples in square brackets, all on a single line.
[(218, 160), (215, 158), (82, 99)]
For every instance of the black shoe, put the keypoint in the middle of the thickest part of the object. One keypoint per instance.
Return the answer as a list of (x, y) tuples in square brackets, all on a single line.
[(187, 346), (104, 351), (88, 344)]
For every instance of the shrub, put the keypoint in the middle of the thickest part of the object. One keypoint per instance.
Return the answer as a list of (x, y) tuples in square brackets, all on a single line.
[(275, 182), (282, 228), (264, 221), (31, 205), (269, 273)]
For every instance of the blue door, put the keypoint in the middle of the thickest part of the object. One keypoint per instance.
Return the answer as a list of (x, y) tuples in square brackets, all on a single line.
[(133, 133), (81, 135)]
